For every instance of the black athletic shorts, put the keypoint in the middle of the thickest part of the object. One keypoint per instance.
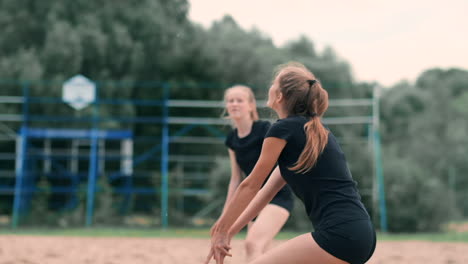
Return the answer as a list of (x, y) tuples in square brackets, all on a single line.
[(284, 198), (353, 241)]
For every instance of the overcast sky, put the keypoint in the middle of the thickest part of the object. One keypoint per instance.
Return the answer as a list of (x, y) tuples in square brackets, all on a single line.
[(383, 40)]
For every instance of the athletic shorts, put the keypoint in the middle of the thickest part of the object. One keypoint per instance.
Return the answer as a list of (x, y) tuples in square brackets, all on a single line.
[(353, 241), (284, 198)]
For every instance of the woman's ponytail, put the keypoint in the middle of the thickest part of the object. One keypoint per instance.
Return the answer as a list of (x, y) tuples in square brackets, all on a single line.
[(316, 133)]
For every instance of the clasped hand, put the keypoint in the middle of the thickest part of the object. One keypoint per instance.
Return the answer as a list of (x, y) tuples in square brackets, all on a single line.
[(219, 246)]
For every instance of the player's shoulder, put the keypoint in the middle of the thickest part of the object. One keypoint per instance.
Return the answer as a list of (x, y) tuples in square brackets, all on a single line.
[(261, 126), (291, 121), (262, 123), (231, 135)]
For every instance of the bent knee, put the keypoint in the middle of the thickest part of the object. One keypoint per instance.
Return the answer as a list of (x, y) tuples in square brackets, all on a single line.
[(255, 245)]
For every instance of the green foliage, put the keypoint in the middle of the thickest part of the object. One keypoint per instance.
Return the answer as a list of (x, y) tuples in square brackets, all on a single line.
[(414, 197), (424, 136), (100, 39), (423, 124)]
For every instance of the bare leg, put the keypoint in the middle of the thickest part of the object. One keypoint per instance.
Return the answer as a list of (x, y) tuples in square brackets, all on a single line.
[(260, 234), (299, 250)]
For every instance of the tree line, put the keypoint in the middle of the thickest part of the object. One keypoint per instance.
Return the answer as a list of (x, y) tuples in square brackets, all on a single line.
[(423, 124)]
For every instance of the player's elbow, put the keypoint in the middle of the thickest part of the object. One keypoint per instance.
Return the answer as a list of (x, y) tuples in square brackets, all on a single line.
[(249, 186)]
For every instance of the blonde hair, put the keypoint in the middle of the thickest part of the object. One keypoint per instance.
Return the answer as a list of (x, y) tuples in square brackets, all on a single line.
[(250, 98), (304, 96)]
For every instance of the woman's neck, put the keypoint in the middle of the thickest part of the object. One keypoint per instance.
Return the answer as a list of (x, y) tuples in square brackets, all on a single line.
[(281, 113), (244, 127)]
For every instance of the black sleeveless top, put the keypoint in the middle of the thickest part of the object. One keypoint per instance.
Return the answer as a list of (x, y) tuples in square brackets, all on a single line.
[(248, 149), (328, 190)]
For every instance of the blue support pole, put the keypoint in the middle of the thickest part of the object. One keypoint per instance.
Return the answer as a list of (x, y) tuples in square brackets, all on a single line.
[(94, 162), (20, 174), (165, 158), (21, 159), (380, 181), (92, 175), (378, 162)]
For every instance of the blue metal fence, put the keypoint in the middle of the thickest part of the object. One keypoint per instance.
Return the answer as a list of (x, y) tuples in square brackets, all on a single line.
[(156, 133)]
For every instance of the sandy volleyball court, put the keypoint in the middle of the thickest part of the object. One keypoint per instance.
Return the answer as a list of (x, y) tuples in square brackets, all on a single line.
[(86, 250)]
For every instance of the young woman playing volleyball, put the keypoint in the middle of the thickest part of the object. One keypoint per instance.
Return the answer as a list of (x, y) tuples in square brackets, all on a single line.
[(244, 144), (313, 165)]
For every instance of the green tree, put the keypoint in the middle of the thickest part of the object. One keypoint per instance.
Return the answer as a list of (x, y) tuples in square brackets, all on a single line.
[(424, 125)]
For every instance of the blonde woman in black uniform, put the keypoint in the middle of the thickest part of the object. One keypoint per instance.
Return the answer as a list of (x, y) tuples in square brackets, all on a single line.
[(244, 144), (312, 164)]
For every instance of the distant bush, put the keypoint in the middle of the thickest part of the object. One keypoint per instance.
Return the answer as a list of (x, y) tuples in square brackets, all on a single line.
[(417, 201)]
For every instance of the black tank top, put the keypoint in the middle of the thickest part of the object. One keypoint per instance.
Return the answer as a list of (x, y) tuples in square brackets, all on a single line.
[(328, 190), (248, 149)]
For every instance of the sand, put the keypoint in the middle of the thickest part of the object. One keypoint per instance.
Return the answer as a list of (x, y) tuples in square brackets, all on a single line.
[(85, 250)]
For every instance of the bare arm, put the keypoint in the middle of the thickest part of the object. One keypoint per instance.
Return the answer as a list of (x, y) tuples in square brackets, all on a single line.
[(235, 177), (246, 191), (248, 188), (263, 197)]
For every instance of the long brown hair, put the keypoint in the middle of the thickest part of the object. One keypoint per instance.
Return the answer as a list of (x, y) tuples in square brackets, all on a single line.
[(304, 96), (250, 98)]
